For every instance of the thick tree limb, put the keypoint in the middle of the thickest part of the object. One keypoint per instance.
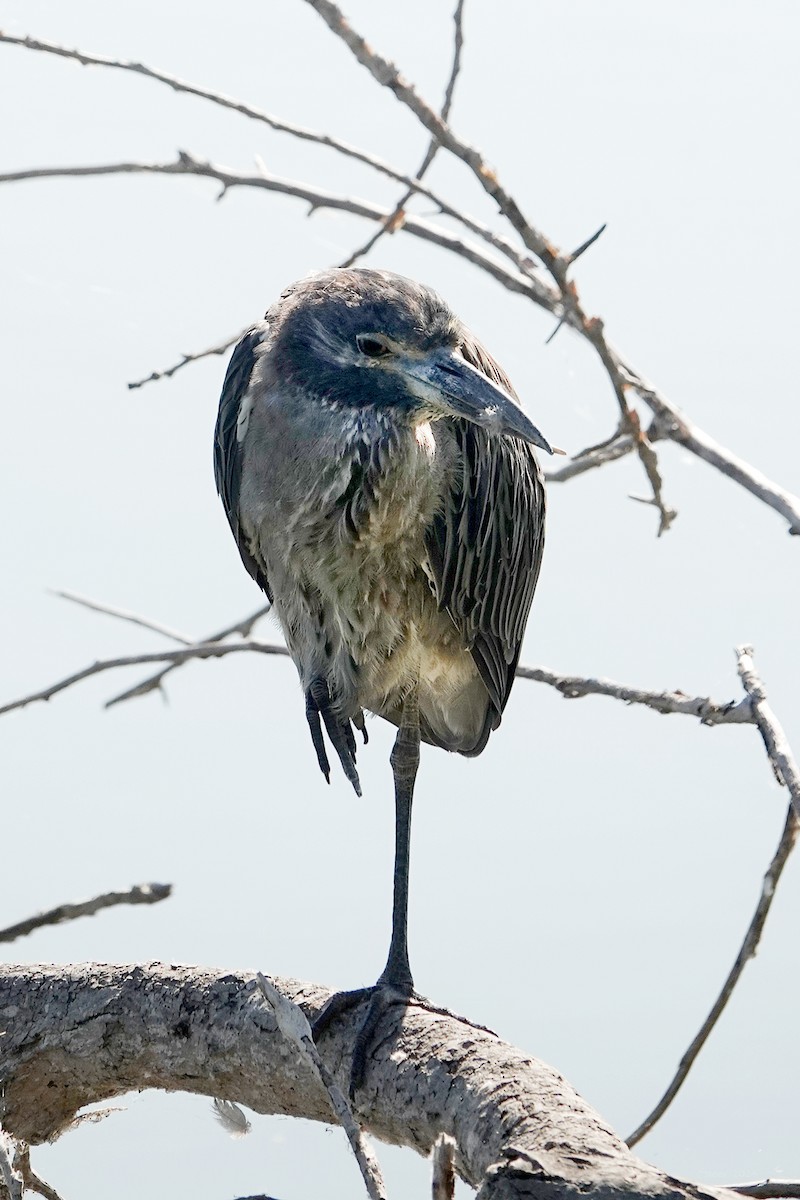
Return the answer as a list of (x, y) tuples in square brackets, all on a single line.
[(75, 1035), (143, 893)]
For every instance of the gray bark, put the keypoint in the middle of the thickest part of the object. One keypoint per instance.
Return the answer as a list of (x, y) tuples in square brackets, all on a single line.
[(73, 1035)]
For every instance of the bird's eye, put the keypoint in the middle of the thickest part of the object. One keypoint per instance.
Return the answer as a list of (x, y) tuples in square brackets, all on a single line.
[(372, 346)]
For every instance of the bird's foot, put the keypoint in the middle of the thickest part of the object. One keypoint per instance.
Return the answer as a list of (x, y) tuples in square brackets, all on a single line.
[(380, 998), (318, 704)]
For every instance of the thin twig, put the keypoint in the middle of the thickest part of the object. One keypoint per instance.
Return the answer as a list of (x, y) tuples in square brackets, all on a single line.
[(621, 445), (186, 359), (293, 1025), (144, 893), (392, 223), (154, 682), (124, 615), (770, 1189), (201, 650), (748, 949)]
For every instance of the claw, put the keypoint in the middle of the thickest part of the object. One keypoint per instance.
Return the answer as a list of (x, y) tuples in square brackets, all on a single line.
[(318, 704)]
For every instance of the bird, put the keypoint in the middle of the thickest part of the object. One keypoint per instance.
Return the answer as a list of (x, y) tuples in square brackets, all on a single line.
[(379, 476)]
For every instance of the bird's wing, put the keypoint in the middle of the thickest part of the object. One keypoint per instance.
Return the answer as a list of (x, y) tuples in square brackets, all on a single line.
[(485, 546), (228, 441)]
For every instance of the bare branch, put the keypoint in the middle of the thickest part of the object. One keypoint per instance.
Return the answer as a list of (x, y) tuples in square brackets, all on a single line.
[(748, 949), (561, 299), (778, 749), (153, 682), (708, 712), (218, 98), (294, 1027), (572, 687), (675, 425), (201, 650), (143, 893), (124, 615), (620, 445), (520, 1129), (558, 264), (527, 284), (386, 74), (770, 1189), (186, 359), (393, 222)]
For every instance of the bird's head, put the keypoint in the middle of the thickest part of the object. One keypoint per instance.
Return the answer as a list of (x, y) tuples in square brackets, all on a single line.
[(363, 338)]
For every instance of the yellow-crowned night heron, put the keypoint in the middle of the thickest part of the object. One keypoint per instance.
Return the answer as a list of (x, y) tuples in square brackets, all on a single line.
[(378, 475)]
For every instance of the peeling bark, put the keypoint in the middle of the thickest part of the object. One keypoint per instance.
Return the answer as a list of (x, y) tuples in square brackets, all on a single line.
[(73, 1035)]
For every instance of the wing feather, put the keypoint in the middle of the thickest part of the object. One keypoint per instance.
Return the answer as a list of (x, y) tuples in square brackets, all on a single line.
[(228, 442), (485, 546)]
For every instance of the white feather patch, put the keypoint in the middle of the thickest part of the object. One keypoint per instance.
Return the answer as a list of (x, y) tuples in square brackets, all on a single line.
[(231, 1118), (243, 416), (425, 439)]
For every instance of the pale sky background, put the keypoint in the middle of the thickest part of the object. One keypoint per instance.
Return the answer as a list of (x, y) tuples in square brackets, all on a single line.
[(583, 887)]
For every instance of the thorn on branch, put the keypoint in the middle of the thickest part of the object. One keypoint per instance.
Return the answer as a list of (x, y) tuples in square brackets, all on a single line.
[(562, 320), (584, 246)]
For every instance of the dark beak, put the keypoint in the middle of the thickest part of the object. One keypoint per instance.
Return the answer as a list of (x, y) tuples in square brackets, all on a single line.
[(453, 387)]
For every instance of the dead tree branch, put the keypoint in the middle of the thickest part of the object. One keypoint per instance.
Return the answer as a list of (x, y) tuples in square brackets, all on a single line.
[(78, 1034), (571, 687), (123, 614), (747, 951), (776, 745), (785, 769), (154, 682), (143, 893), (521, 281), (567, 306), (185, 360), (395, 220), (294, 1027)]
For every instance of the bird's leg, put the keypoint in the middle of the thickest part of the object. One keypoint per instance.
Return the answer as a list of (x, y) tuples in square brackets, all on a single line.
[(405, 762), (395, 985)]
